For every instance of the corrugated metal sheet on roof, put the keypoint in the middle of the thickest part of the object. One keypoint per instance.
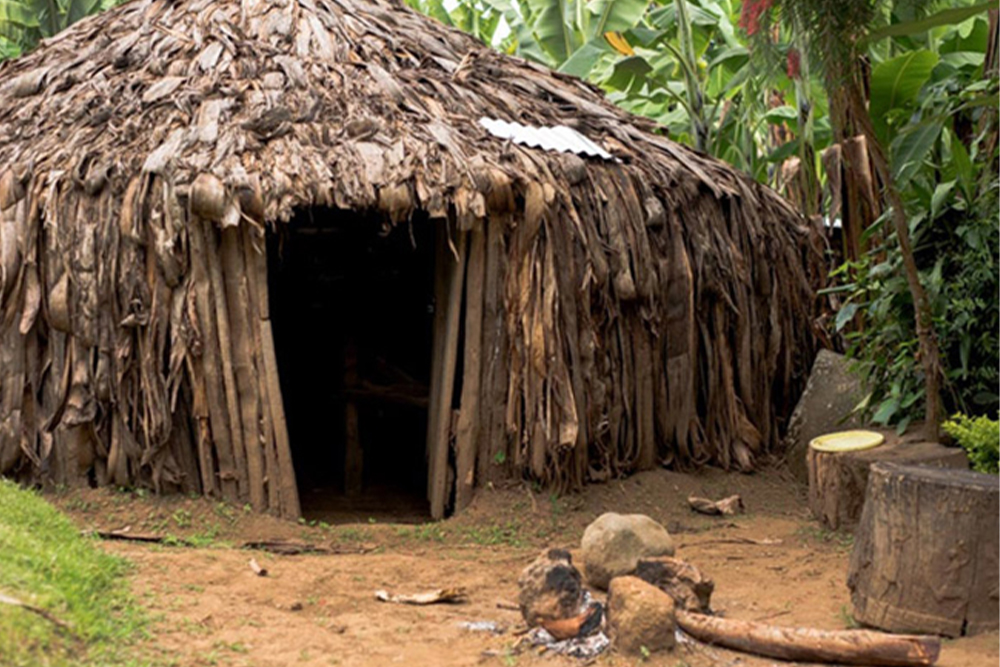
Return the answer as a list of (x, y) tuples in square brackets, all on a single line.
[(560, 138)]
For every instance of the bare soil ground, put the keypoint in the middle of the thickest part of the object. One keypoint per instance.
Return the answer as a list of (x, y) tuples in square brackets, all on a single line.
[(317, 610)]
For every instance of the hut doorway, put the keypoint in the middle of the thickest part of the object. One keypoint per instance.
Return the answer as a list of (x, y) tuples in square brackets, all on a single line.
[(351, 305)]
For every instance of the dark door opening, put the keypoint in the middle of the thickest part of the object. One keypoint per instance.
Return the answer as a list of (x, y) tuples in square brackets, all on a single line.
[(351, 307)]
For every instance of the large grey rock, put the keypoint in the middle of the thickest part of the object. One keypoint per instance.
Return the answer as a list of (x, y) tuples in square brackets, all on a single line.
[(831, 393), (551, 588), (613, 544), (640, 616)]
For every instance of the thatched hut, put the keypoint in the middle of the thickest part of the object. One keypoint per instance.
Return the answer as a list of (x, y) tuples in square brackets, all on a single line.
[(199, 197)]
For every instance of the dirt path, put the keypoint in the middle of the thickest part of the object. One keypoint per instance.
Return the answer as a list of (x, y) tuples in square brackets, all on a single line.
[(210, 609)]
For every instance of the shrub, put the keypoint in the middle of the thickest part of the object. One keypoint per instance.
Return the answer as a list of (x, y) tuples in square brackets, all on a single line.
[(980, 437)]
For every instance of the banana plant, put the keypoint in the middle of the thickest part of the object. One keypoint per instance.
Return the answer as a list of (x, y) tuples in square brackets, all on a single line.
[(475, 17), (23, 23), (567, 35)]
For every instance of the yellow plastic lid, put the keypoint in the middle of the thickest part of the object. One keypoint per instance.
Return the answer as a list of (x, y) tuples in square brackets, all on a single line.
[(847, 441)]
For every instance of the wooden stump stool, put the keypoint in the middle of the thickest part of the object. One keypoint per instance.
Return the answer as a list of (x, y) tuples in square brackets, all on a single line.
[(927, 551), (837, 481)]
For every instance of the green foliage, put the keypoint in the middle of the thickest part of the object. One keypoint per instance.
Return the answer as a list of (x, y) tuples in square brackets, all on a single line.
[(479, 19), (959, 252), (23, 23), (980, 437), (937, 114), (44, 561), (895, 84)]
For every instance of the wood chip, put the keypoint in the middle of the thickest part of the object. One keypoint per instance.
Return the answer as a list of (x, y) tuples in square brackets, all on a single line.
[(731, 505), (439, 595)]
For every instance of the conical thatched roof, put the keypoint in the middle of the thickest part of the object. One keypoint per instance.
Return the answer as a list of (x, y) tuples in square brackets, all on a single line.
[(655, 308)]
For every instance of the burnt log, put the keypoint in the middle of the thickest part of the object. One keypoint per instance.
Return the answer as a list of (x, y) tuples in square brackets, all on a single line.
[(927, 551), (690, 589), (837, 480)]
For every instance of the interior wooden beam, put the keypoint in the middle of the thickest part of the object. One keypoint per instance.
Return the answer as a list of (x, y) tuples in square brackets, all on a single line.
[(353, 454)]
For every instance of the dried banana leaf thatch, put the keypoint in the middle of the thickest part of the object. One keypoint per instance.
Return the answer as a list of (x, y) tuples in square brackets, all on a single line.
[(655, 309)]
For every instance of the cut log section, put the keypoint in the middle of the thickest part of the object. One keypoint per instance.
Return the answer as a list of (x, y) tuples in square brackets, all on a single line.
[(926, 551), (846, 647), (837, 481)]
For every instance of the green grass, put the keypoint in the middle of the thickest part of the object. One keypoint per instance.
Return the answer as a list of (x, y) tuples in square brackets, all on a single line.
[(45, 562)]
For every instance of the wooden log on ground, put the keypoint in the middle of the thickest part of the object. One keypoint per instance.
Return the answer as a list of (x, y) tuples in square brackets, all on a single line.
[(846, 647), (837, 481), (927, 551)]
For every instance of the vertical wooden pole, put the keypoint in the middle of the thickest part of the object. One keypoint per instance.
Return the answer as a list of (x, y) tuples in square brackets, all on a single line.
[(290, 507), (255, 256), (468, 430), (495, 382), (237, 299), (437, 349), (226, 358), (283, 473), (442, 392), (218, 419), (643, 420)]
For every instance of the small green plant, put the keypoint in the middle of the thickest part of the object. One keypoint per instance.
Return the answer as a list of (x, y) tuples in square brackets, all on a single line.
[(499, 458), (644, 653), (429, 532), (980, 437), (508, 657), (508, 533), (848, 618), (182, 518)]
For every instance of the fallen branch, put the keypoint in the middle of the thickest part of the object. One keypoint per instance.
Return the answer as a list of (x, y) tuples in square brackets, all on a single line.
[(287, 548), (283, 548), (14, 602), (124, 535), (766, 542), (850, 647), (729, 506)]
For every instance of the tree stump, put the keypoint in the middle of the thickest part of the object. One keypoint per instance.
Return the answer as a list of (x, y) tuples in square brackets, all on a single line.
[(837, 481), (927, 551)]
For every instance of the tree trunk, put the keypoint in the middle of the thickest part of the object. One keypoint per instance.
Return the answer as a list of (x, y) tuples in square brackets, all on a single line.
[(837, 481), (847, 647), (930, 357), (927, 551)]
